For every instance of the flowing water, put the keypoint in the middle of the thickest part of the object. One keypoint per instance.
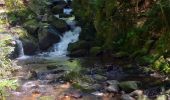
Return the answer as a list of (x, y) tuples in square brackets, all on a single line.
[(54, 76)]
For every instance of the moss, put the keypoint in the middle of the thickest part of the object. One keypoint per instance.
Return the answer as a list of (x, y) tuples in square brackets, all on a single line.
[(95, 50), (31, 26), (161, 64)]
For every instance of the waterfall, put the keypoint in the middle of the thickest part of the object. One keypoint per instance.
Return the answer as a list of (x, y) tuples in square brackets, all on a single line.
[(71, 36), (60, 49), (19, 48)]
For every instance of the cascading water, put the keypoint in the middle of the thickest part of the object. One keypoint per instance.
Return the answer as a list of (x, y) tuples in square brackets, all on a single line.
[(19, 48), (69, 37)]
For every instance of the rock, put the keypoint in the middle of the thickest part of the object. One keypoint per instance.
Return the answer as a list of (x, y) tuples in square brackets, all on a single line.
[(78, 45), (136, 93), (112, 86), (47, 36), (58, 9), (79, 49), (78, 53), (30, 45), (76, 94), (58, 2), (99, 77), (31, 27), (128, 85), (59, 24), (126, 97), (97, 86), (121, 54), (95, 51), (162, 97), (97, 93), (112, 82)]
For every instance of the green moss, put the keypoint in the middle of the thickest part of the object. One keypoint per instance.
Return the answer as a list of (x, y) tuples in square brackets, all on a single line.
[(95, 50)]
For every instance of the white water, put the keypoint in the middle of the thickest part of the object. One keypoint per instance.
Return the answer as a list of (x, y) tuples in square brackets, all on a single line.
[(60, 49)]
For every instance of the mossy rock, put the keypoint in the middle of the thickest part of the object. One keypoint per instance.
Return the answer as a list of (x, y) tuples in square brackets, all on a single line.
[(47, 36), (121, 54), (31, 26), (58, 9), (128, 85), (78, 53), (59, 24), (95, 50), (78, 45)]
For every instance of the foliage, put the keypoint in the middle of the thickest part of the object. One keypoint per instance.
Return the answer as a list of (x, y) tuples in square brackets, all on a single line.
[(138, 29), (6, 84)]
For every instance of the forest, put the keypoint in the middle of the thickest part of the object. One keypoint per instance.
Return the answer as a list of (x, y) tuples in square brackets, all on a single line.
[(85, 49)]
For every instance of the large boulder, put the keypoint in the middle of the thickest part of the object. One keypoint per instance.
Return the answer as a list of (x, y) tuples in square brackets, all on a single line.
[(30, 46), (79, 49), (47, 36), (79, 45), (31, 26), (58, 9), (129, 85), (30, 43), (78, 53), (59, 24)]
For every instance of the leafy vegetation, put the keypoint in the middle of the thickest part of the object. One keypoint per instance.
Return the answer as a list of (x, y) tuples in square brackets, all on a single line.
[(137, 29)]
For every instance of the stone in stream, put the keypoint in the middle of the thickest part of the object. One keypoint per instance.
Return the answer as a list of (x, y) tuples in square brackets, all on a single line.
[(126, 97), (97, 93), (129, 85), (100, 77), (112, 86), (47, 36)]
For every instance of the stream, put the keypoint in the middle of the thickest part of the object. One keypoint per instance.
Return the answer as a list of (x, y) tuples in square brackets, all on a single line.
[(52, 75)]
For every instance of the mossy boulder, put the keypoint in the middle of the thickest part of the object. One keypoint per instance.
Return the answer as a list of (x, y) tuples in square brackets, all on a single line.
[(58, 9), (59, 24), (31, 26), (129, 85), (47, 36), (78, 53), (79, 45), (30, 43), (95, 50)]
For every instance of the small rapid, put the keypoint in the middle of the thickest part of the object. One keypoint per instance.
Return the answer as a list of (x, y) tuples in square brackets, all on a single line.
[(60, 49)]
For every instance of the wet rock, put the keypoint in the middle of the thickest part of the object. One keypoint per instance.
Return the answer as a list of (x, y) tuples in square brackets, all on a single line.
[(78, 53), (97, 93), (97, 86), (112, 82), (126, 97), (116, 72), (47, 36), (31, 27), (95, 51), (76, 94), (51, 67), (136, 93), (129, 85), (99, 77), (30, 85), (112, 86), (58, 9), (78, 45), (59, 24)]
